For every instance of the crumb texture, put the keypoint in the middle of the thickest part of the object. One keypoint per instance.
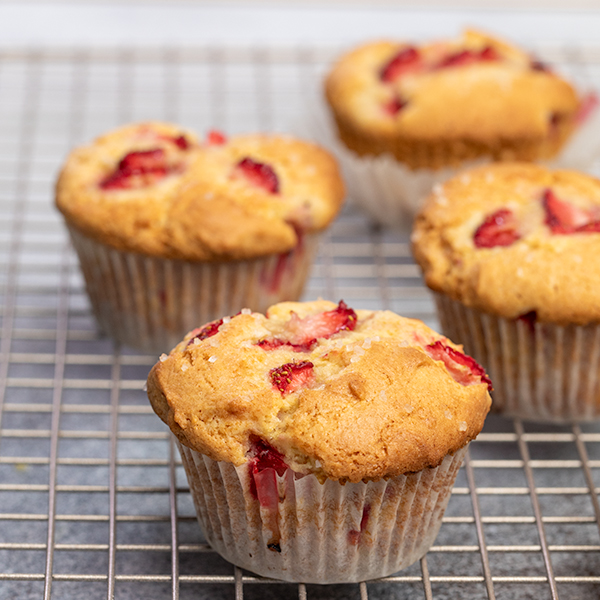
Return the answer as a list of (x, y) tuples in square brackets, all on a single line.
[(363, 400)]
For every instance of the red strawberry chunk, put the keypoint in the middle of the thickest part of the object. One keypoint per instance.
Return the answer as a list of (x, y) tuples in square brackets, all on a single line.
[(463, 368), (305, 332), (354, 534), (265, 462), (207, 331), (469, 57), (408, 59), (291, 377), (394, 106), (137, 169), (216, 138), (529, 319), (144, 161), (591, 227), (259, 174), (266, 457), (181, 142), (272, 344), (562, 217), (588, 105), (498, 229), (538, 65)]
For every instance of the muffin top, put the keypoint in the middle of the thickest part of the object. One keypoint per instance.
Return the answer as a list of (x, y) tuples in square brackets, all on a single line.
[(343, 394), (152, 188), (475, 88), (515, 240)]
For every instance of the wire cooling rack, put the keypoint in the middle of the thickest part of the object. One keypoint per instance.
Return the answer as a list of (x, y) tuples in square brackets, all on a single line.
[(93, 499)]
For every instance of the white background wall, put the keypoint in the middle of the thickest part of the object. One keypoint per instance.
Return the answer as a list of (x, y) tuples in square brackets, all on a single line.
[(195, 23)]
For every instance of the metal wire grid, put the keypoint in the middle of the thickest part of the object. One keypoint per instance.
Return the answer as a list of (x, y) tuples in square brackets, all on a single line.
[(93, 500)]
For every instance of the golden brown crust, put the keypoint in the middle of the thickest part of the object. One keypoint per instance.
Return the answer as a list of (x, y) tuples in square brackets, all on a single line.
[(127, 219), (203, 209), (222, 216), (379, 405), (555, 275), (500, 108)]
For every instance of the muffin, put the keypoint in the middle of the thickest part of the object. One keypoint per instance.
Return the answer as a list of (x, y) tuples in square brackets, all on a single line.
[(512, 254), (320, 443), (171, 232), (408, 115)]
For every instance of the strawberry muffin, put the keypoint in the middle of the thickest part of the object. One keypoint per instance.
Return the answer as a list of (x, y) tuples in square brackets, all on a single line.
[(170, 231), (320, 443), (512, 253), (426, 109)]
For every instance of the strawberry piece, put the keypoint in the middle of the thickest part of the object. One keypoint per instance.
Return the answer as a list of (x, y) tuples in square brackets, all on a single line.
[(488, 53), (137, 169), (538, 65), (353, 534), (215, 138), (272, 344), (408, 59), (591, 227), (259, 174), (394, 106), (462, 368), (181, 142), (562, 217), (498, 229), (144, 161), (281, 267), (305, 332), (205, 332), (589, 104), (529, 319), (265, 462), (266, 457), (469, 57), (291, 377)]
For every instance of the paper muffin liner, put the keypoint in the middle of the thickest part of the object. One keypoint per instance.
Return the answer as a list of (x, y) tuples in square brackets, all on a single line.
[(297, 529), (150, 303), (540, 371), (392, 193)]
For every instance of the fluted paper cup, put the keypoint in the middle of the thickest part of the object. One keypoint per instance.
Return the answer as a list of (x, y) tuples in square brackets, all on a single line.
[(540, 371), (294, 528), (150, 303)]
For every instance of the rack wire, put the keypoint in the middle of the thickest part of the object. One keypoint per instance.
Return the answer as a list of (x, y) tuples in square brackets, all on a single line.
[(93, 499)]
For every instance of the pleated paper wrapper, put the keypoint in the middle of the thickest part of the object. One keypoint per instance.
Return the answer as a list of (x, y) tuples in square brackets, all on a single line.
[(391, 193), (150, 303), (297, 529), (539, 371)]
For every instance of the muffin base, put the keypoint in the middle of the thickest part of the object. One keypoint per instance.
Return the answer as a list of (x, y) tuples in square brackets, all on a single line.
[(150, 303), (540, 371), (300, 530)]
